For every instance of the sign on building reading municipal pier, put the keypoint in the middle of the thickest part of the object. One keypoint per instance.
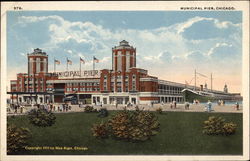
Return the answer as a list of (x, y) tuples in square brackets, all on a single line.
[(78, 74)]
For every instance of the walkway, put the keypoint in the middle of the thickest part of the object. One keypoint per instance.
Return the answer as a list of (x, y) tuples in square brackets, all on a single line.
[(165, 107)]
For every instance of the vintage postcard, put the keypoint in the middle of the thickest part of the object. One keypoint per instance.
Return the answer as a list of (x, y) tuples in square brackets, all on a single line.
[(125, 80)]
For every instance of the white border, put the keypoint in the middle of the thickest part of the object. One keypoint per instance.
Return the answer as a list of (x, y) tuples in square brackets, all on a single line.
[(122, 6)]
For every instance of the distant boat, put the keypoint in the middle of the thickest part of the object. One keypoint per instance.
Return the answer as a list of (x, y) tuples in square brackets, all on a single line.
[(203, 96)]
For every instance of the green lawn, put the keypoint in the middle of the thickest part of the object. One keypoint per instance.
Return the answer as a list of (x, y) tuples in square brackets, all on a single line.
[(180, 133)]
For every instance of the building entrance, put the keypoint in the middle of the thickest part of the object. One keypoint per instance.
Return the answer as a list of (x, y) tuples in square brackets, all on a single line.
[(119, 100)]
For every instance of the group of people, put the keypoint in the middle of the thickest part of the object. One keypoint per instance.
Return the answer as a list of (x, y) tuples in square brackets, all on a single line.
[(60, 108), (221, 102), (16, 108), (173, 104), (48, 107), (19, 108), (196, 102)]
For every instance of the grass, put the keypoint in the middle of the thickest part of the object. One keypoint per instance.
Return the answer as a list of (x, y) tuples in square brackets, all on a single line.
[(180, 134)]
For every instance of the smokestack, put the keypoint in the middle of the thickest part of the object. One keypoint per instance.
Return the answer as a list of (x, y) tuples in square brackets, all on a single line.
[(201, 87)]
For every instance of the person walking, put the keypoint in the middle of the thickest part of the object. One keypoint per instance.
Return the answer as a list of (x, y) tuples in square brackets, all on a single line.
[(67, 107), (61, 107), (15, 107), (171, 105), (237, 106), (209, 106), (186, 105), (51, 107), (21, 109), (64, 107), (174, 104)]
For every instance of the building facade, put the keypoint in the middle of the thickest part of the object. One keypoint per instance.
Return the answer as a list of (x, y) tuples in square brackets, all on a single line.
[(123, 84)]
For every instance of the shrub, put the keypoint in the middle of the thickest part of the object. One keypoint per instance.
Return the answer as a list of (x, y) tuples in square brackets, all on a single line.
[(100, 131), (134, 125), (41, 117), (17, 139), (103, 112), (217, 125), (229, 128), (89, 109), (214, 125), (120, 125), (159, 110)]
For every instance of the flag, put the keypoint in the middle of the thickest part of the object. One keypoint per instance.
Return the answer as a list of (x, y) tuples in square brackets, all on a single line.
[(96, 60), (69, 61), (82, 61), (57, 62)]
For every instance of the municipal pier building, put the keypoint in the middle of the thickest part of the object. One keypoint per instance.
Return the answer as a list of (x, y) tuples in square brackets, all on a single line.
[(123, 84)]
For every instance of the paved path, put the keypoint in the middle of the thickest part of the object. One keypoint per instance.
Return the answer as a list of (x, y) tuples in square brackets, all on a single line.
[(165, 107)]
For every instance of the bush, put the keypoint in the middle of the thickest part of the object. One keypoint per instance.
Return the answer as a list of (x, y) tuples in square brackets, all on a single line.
[(159, 110), (100, 131), (103, 112), (120, 125), (229, 128), (41, 117), (17, 139), (217, 125), (134, 125), (89, 109), (214, 125)]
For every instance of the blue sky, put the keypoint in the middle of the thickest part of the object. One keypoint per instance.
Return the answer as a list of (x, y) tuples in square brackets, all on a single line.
[(169, 44)]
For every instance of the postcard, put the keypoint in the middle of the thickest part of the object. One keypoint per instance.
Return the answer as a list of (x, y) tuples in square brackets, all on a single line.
[(125, 80)]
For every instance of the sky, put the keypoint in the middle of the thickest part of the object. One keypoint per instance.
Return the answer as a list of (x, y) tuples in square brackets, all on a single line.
[(169, 44)]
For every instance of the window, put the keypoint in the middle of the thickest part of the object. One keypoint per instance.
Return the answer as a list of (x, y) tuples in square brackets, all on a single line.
[(119, 89)]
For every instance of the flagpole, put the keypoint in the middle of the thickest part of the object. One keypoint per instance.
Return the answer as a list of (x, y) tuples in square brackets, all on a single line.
[(67, 64), (93, 63), (54, 65), (80, 68), (195, 79)]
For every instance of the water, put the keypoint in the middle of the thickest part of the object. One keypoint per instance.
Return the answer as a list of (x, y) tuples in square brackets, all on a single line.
[(226, 103)]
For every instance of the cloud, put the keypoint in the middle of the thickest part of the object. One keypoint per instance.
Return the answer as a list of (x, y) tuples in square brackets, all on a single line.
[(223, 51), (190, 22), (183, 26), (206, 28), (197, 56), (22, 54)]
